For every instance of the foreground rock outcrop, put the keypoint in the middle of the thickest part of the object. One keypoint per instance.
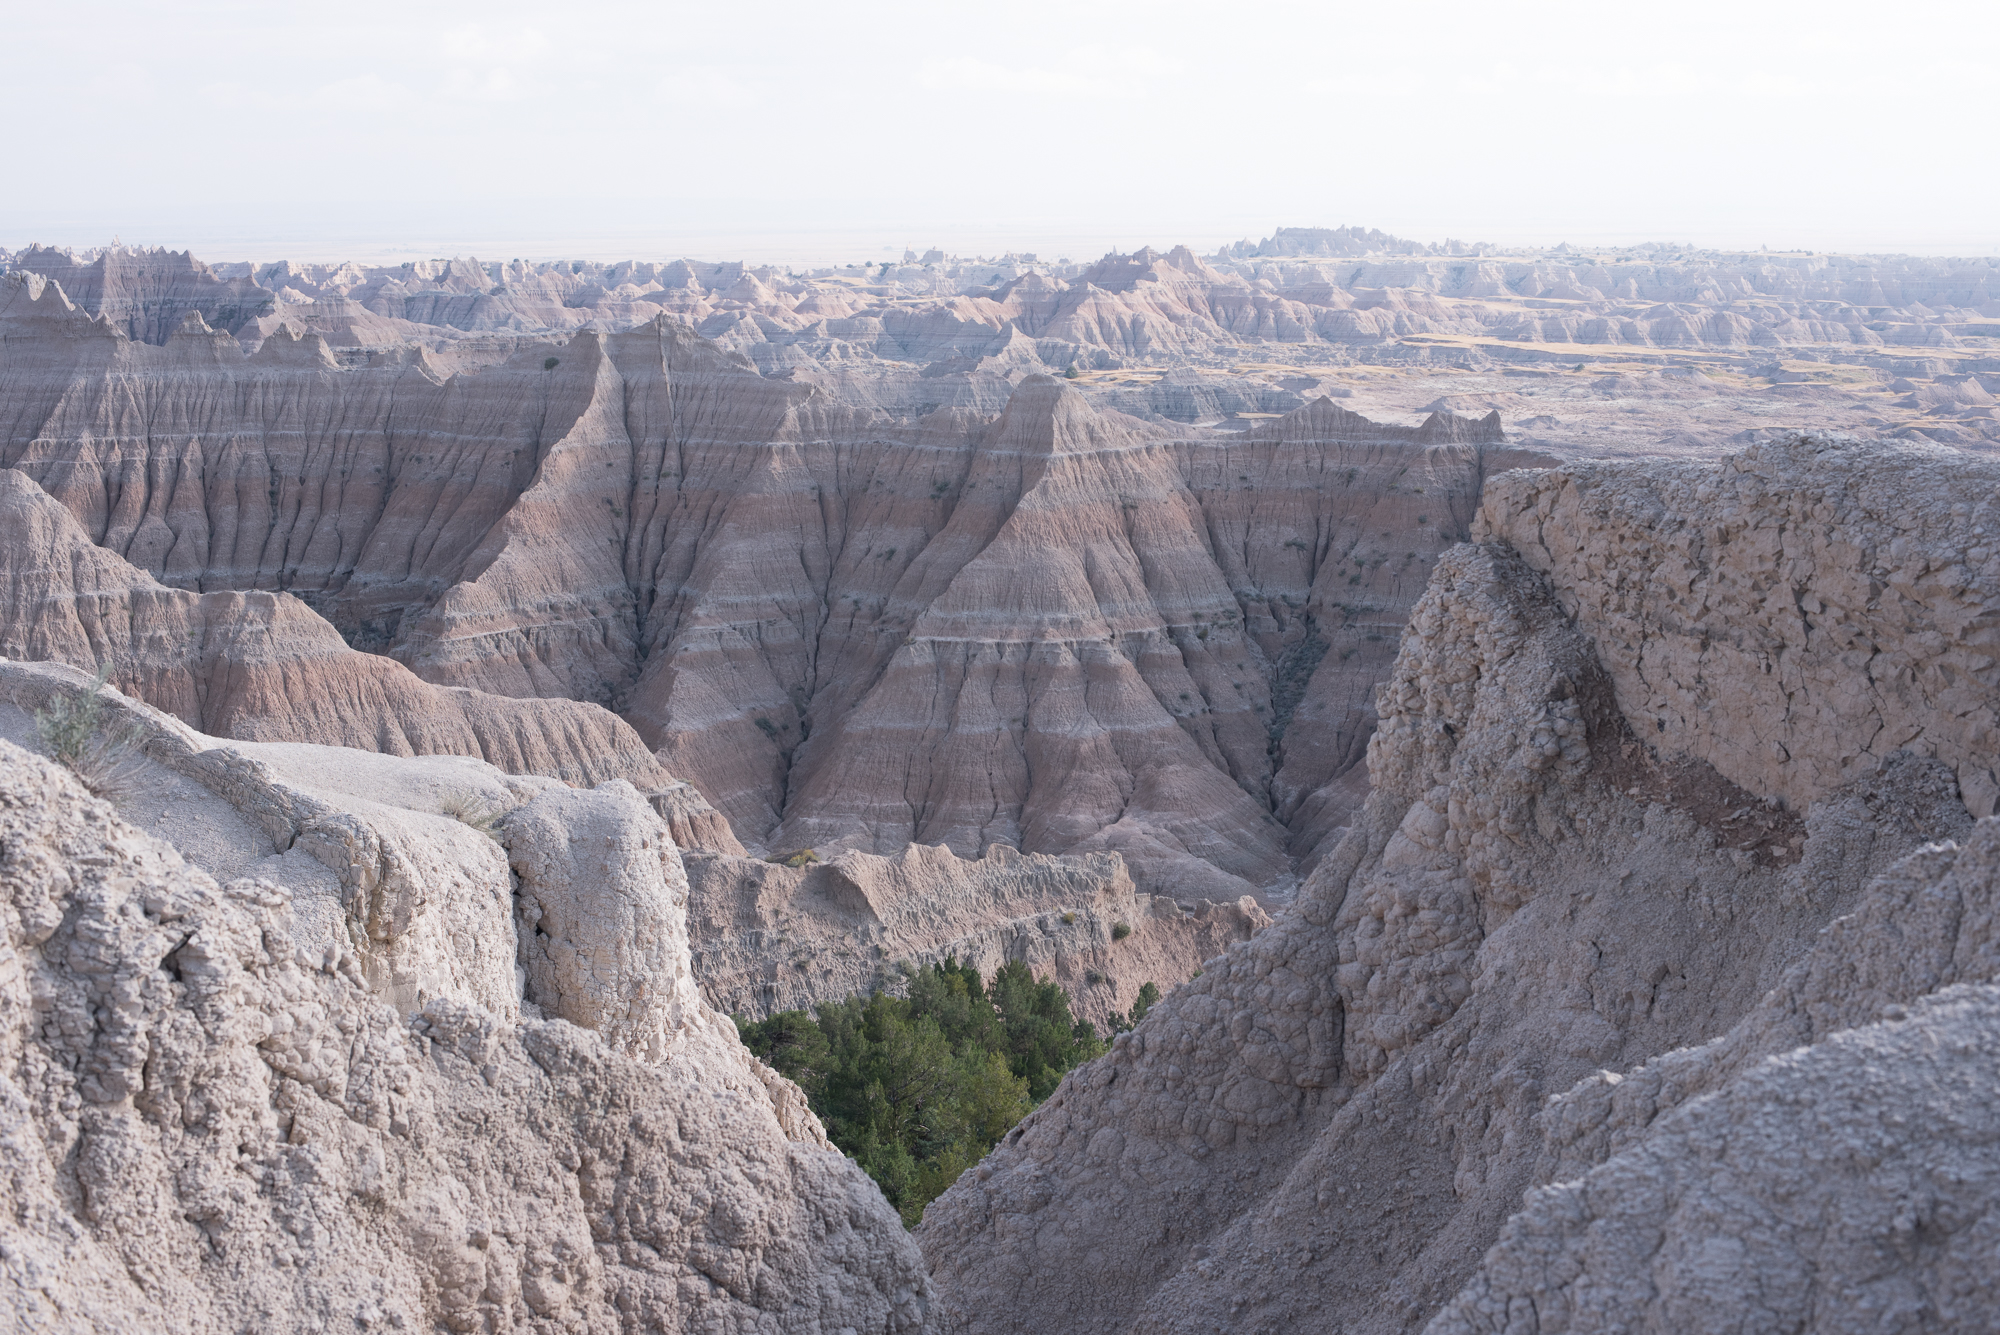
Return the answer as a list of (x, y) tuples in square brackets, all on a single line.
[(1335, 1124), (1832, 1154), (205, 1129), (385, 880), (602, 908)]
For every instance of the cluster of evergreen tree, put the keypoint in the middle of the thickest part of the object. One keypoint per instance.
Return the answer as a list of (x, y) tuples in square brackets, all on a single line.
[(917, 1089)]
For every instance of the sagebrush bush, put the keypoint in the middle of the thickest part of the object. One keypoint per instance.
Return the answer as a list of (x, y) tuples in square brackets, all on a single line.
[(474, 812), (69, 724), (73, 733)]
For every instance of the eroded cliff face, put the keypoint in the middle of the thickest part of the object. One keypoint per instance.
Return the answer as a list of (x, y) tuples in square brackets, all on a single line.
[(148, 293), (1057, 629), (209, 1127), (1330, 1127), (1793, 616), (769, 938), (1830, 1158), (262, 666)]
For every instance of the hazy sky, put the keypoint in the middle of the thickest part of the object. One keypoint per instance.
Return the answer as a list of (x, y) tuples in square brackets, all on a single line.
[(815, 131)]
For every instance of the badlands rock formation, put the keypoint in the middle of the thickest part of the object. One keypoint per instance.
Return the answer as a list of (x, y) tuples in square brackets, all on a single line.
[(774, 479), (403, 867), (383, 882), (1703, 948), (212, 1125), (771, 938), (147, 294), (1060, 629), (1831, 1154), (1793, 616), (1718, 342), (260, 665), (389, 869), (1632, 905), (602, 910)]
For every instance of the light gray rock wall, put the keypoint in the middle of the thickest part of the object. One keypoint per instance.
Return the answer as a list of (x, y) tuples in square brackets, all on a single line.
[(1791, 615), (204, 1130), (1329, 1129), (421, 902), (602, 908), (1828, 1164)]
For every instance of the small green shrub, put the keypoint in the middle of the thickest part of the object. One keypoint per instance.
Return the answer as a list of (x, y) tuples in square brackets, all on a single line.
[(551, 363), (805, 857), (72, 733), (1069, 919), (1148, 995), (1120, 930), (71, 722), (470, 810), (917, 1089)]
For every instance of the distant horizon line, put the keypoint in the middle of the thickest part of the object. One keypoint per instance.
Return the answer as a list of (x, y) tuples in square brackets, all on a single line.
[(845, 247)]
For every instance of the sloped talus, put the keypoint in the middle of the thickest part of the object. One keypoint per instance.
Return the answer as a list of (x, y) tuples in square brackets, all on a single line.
[(263, 666), (1329, 1128), (1832, 1155)]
